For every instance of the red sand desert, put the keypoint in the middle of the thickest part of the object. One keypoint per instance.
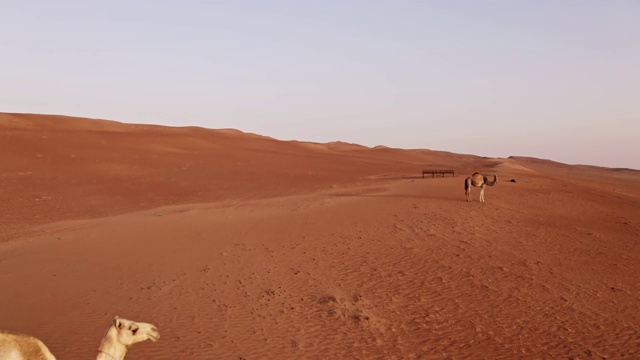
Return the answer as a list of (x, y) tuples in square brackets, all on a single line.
[(239, 246)]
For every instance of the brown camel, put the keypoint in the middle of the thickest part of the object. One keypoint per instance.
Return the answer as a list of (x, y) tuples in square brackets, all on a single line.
[(478, 180)]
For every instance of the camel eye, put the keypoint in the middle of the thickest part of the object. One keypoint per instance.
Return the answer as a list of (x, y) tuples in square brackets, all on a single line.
[(134, 331)]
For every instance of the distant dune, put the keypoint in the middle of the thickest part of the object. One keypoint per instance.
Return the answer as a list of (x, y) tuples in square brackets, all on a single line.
[(240, 246)]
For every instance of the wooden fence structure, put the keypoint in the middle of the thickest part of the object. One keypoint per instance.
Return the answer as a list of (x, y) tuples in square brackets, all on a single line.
[(438, 172)]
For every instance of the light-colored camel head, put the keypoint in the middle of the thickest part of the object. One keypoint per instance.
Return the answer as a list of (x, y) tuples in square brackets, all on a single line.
[(128, 332), (122, 334)]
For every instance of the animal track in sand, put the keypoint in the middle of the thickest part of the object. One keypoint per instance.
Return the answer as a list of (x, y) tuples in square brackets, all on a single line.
[(355, 310)]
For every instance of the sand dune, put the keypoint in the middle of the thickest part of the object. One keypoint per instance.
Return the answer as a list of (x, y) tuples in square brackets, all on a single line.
[(239, 246)]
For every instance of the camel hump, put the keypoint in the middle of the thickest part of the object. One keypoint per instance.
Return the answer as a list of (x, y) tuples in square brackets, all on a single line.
[(20, 346)]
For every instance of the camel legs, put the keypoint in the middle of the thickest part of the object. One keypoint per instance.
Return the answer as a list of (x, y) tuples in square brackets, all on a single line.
[(467, 192), (468, 184)]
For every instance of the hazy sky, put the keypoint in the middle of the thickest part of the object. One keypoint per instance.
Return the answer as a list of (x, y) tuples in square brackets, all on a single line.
[(549, 79)]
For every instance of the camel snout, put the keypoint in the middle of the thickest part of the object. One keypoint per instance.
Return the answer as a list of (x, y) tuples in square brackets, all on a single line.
[(154, 334)]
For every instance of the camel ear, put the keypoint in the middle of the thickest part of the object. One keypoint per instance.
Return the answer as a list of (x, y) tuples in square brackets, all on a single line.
[(118, 324)]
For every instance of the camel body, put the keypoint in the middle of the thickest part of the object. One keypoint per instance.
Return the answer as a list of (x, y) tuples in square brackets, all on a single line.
[(121, 334), (22, 347), (478, 180)]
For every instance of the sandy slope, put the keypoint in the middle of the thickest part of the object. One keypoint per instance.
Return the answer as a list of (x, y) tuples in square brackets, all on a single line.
[(239, 246)]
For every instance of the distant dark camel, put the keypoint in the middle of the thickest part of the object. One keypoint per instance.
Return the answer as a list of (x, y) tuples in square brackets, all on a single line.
[(477, 180)]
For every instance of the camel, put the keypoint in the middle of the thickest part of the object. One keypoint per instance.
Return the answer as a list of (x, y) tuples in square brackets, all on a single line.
[(121, 334), (478, 180)]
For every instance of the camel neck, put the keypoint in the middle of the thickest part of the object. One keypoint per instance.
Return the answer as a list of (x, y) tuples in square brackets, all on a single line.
[(106, 355), (102, 355), (111, 351)]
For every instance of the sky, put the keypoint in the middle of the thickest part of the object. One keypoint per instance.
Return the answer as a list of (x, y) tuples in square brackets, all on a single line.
[(557, 80)]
